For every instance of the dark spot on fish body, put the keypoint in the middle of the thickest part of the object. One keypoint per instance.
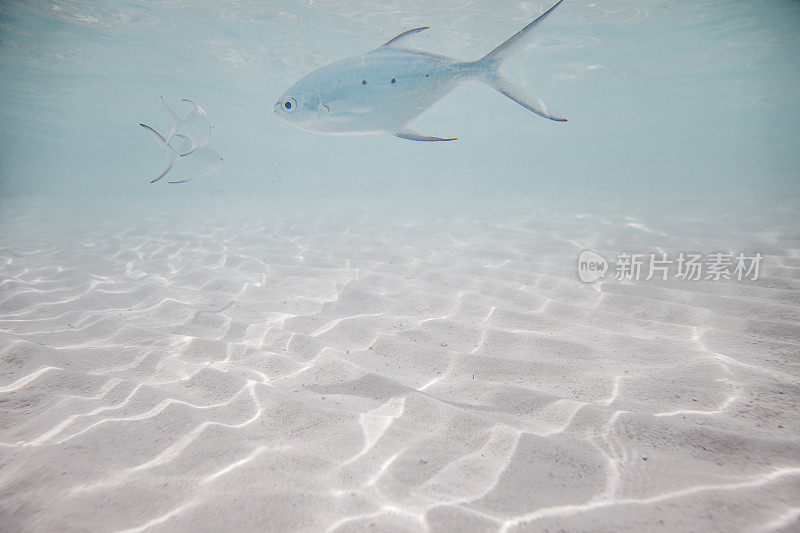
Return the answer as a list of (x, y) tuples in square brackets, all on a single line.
[(427, 75), (394, 80), (363, 82)]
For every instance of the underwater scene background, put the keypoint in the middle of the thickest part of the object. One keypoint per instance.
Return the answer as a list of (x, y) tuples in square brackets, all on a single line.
[(341, 333)]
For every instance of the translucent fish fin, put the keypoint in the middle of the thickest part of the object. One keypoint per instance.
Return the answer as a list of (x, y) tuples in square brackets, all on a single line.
[(517, 41), (177, 122), (521, 96), (413, 136), (170, 152), (157, 136), (197, 126), (193, 147), (194, 106), (394, 40), (170, 111)]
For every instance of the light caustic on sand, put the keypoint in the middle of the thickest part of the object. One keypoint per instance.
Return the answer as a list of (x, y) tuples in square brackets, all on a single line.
[(367, 372)]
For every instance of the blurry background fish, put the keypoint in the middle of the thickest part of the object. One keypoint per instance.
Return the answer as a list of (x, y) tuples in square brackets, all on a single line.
[(195, 125), (188, 155)]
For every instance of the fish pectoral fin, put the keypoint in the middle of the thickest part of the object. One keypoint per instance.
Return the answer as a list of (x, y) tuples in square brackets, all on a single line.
[(333, 107), (413, 136), (344, 107), (394, 40), (521, 96)]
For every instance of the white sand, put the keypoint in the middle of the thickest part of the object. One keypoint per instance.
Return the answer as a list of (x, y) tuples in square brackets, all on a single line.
[(351, 369)]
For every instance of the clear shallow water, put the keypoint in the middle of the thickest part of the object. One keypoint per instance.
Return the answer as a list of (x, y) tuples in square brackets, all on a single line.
[(674, 97), (381, 333)]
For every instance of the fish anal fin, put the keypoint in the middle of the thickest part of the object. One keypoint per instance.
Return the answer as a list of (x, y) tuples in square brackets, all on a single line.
[(413, 136), (522, 97), (396, 39)]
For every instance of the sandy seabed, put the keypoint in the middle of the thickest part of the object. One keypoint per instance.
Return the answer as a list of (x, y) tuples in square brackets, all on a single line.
[(342, 370)]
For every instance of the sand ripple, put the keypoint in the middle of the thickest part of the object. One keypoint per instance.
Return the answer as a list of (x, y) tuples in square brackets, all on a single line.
[(340, 372)]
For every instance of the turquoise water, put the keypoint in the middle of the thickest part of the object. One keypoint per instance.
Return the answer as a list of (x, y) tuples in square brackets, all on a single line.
[(352, 333), (679, 97)]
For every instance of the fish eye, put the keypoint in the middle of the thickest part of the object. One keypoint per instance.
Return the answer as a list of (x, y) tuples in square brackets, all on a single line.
[(290, 104)]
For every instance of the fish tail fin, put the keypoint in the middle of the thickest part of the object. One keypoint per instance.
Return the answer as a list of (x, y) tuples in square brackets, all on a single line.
[(166, 146), (486, 69), (521, 96), (514, 43)]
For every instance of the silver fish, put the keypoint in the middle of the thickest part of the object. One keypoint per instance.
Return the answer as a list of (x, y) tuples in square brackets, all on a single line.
[(381, 91)]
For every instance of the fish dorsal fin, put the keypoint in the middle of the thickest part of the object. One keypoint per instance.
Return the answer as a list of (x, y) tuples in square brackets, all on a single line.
[(392, 43)]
